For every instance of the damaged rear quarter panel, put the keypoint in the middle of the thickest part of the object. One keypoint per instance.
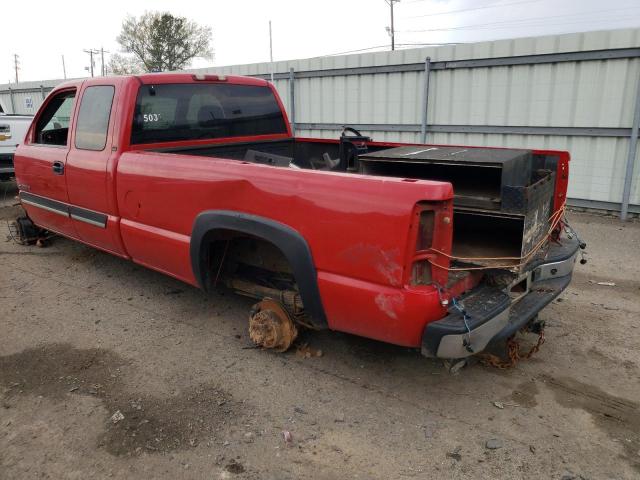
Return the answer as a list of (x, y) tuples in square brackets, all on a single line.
[(357, 227)]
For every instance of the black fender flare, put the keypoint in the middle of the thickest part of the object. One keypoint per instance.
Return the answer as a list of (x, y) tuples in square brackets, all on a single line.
[(289, 241)]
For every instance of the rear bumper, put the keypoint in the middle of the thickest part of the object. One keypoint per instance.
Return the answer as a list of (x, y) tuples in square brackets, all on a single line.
[(493, 314)]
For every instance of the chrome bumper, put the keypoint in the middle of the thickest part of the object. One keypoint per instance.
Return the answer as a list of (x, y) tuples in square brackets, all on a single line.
[(496, 314)]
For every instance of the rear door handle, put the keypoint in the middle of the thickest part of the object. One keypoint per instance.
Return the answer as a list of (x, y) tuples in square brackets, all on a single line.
[(58, 168)]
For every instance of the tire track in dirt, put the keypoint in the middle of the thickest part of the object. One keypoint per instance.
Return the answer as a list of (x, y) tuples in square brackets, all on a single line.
[(618, 417), (148, 423)]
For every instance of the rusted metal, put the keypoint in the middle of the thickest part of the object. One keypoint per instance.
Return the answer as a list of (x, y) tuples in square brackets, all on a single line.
[(271, 326), (513, 353), (290, 299), (24, 232)]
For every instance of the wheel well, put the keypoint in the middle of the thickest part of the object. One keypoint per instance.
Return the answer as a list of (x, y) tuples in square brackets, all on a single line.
[(233, 253), (254, 248)]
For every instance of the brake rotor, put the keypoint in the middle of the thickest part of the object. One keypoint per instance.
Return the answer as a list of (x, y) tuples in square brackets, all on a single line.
[(270, 326)]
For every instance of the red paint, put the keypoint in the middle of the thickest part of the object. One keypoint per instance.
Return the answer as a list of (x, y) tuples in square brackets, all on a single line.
[(362, 231), (562, 179)]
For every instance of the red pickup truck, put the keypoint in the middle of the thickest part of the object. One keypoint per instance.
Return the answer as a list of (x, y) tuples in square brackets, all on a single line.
[(449, 249)]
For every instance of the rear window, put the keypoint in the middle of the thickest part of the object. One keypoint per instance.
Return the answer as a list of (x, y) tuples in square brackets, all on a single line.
[(173, 112)]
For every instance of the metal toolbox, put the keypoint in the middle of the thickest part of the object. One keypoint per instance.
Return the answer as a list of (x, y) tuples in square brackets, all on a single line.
[(495, 190)]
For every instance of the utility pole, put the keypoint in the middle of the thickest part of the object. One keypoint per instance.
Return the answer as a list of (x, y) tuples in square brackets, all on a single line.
[(271, 51), (392, 31), (15, 64), (103, 67), (64, 69), (91, 52)]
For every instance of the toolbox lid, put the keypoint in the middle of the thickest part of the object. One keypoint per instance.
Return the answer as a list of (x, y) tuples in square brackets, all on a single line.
[(488, 157)]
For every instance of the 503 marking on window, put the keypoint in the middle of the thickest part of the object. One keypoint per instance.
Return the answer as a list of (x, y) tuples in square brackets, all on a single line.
[(151, 117)]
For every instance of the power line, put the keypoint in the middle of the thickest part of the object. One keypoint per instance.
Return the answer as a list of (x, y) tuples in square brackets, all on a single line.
[(417, 44), (539, 25), (518, 22), (354, 51), (470, 9)]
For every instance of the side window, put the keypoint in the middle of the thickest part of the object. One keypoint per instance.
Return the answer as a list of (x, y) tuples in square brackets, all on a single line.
[(93, 117), (52, 127)]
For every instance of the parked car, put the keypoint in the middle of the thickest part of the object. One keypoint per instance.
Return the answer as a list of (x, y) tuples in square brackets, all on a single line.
[(449, 249), (12, 131)]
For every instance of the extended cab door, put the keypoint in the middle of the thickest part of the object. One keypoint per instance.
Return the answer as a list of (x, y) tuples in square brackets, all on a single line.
[(40, 164), (91, 166)]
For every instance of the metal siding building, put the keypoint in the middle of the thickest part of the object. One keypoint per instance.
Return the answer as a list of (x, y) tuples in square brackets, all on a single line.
[(585, 106), (24, 98)]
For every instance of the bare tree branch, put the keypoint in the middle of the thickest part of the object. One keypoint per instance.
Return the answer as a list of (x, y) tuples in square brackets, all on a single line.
[(161, 42), (125, 65)]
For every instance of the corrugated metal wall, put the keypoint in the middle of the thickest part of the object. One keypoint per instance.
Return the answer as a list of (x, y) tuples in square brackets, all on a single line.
[(25, 98), (594, 94)]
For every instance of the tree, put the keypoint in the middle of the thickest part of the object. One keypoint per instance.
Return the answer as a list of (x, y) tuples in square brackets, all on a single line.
[(161, 42), (124, 65)]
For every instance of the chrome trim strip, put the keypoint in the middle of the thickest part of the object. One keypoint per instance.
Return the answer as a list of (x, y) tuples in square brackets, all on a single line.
[(88, 216), (97, 219), (451, 346), (556, 269), (89, 221), (44, 207)]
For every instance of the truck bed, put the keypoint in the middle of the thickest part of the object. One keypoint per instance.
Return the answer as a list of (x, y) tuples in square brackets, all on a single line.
[(495, 212)]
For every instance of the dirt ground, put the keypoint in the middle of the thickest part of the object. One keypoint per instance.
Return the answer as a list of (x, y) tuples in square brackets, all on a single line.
[(85, 335)]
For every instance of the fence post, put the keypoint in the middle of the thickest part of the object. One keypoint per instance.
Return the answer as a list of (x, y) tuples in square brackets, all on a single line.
[(631, 158), (292, 100), (13, 107), (42, 92), (425, 106)]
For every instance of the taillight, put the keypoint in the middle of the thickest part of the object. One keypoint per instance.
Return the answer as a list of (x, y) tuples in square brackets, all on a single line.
[(432, 230), (201, 77), (421, 273), (421, 269), (425, 230)]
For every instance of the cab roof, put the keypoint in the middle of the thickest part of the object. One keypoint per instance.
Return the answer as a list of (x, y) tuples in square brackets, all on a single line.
[(157, 78), (160, 78)]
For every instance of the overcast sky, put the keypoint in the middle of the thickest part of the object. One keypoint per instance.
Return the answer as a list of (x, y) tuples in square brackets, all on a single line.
[(41, 32)]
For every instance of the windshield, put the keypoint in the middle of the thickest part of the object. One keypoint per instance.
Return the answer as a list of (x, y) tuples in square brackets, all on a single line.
[(174, 112)]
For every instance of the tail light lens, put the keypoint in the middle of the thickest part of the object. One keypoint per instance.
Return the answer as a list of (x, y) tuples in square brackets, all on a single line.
[(425, 230), (421, 269), (433, 229), (421, 274)]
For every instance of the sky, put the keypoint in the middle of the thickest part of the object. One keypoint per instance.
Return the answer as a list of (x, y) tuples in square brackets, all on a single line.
[(41, 34)]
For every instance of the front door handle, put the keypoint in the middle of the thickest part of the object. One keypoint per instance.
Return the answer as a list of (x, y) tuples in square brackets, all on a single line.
[(58, 168)]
